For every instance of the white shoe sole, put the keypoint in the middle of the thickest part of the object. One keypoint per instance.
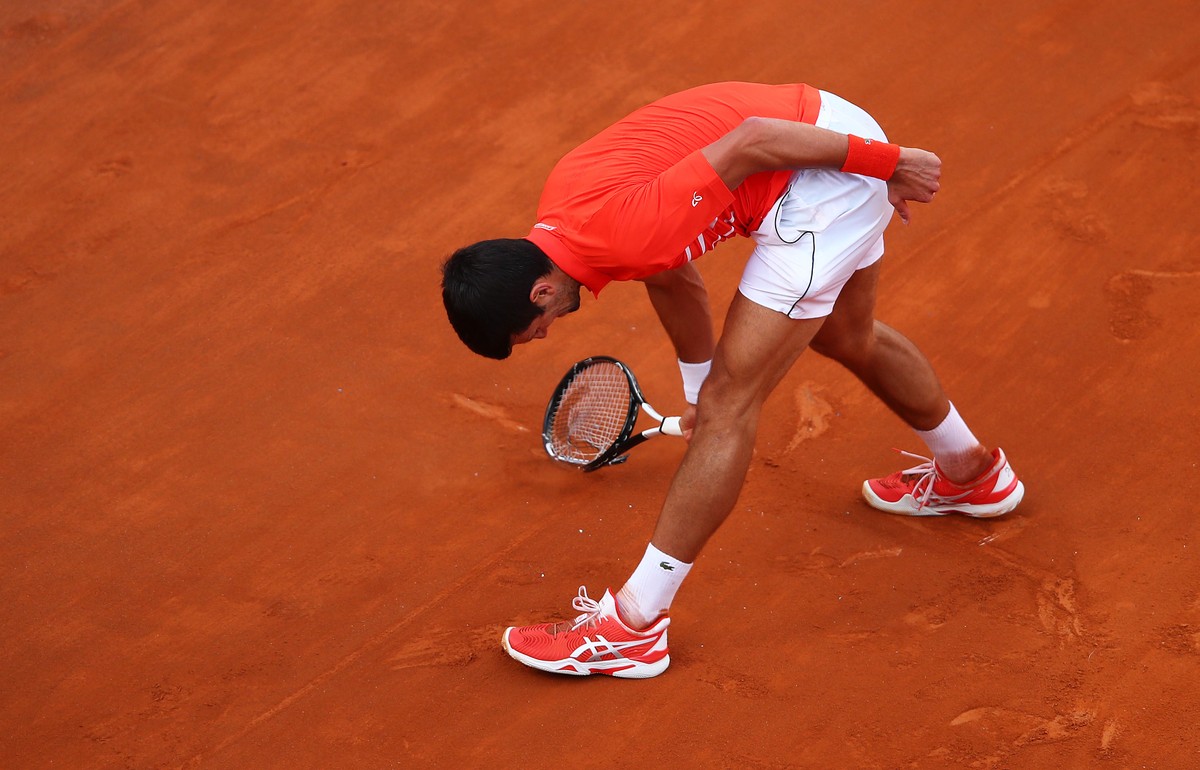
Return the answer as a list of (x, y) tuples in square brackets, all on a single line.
[(908, 506)]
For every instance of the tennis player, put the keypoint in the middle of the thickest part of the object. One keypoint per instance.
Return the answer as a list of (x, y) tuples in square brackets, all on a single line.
[(813, 181)]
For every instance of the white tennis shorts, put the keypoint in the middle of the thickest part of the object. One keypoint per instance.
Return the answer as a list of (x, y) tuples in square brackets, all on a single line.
[(825, 226)]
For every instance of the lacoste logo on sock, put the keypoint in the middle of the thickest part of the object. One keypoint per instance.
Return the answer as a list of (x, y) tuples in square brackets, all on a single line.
[(666, 566)]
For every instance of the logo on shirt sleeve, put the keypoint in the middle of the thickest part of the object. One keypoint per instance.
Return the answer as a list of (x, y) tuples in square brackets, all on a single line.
[(696, 198)]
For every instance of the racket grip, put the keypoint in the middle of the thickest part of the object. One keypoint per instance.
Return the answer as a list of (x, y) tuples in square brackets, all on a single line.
[(670, 427)]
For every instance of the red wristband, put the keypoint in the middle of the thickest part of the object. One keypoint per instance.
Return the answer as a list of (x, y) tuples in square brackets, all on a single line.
[(870, 157)]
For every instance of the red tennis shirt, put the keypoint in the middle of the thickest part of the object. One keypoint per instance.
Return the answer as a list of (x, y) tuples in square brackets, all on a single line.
[(639, 197)]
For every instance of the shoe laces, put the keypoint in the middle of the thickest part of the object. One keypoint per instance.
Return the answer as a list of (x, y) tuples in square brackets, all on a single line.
[(922, 490), (588, 606), (590, 617)]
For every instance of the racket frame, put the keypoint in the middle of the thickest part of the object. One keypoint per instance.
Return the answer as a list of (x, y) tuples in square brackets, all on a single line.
[(626, 440)]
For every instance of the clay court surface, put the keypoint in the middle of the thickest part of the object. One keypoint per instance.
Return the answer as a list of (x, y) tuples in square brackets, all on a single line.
[(262, 510)]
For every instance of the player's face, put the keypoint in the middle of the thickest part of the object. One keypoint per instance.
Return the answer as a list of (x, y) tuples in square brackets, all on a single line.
[(564, 303), (536, 331)]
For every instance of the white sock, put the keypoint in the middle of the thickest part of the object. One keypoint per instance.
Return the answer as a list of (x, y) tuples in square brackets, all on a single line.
[(953, 445), (650, 589)]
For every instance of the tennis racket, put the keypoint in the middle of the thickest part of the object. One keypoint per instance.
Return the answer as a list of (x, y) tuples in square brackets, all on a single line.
[(591, 417)]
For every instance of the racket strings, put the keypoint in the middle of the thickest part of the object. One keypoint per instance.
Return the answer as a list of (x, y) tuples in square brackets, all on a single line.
[(591, 413)]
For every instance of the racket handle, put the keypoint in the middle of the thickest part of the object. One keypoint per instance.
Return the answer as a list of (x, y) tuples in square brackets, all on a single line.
[(670, 427)]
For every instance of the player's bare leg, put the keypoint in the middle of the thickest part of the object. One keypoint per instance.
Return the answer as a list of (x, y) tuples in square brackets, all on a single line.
[(967, 478), (891, 366), (620, 635), (756, 349)]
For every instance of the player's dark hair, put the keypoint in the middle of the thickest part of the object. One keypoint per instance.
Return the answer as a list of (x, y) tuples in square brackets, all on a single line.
[(486, 287)]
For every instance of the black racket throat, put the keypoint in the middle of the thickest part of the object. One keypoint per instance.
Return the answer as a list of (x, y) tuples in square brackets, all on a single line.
[(617, 454)]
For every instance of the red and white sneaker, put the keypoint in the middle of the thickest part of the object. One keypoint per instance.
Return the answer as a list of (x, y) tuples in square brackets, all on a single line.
[(598, 642), (923, 491)]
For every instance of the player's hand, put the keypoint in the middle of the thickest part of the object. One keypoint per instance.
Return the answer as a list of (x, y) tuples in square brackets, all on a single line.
[(917, 177), (687, 422)]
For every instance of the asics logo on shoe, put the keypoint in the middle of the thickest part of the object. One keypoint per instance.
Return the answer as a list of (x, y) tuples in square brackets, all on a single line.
[(666, 566), (696, 198), (602, 648)]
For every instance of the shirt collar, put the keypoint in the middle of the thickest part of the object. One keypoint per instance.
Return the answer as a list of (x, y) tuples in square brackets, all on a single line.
[(546, 238)]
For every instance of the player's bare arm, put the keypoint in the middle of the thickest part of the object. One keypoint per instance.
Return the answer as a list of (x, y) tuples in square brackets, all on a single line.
[(681, 302), (768, 144)]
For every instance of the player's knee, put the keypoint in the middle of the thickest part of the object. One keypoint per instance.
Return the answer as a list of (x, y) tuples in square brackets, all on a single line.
[(727, 397)]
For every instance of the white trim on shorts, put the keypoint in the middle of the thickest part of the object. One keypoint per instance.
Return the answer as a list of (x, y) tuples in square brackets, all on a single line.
[(824, 227)]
